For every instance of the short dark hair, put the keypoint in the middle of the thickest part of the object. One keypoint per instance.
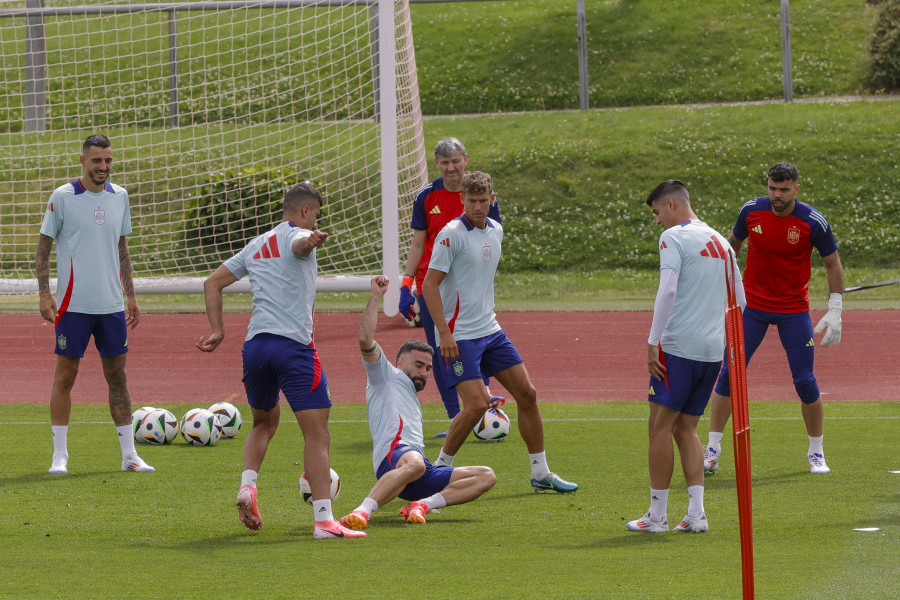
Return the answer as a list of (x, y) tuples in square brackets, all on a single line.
[(300, 194), (477, 182), (784, 171), (667, 188), (415, 345), (101, 141)]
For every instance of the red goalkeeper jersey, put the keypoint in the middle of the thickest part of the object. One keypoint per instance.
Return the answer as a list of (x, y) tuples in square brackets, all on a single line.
[(778, 254)]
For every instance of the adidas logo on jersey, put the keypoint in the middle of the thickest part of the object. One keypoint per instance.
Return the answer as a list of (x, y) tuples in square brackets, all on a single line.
[(757, 229), (269, 250), (811, 342), (435, 211), (663, 245), (445, 242)]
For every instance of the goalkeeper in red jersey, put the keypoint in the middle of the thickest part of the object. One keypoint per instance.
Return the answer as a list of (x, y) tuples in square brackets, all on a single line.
[(781, 234)]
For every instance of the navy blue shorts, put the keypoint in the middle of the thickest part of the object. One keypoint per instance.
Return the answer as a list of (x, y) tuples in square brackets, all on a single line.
[(481, 358), (272, 363), (796, 333), (74, 331), (687, 385), (433, 481)]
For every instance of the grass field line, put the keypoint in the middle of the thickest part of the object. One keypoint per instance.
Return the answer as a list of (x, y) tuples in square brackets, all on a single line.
[(590, 420)]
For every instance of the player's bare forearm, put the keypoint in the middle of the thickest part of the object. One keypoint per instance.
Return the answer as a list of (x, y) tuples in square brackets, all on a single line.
[(369, 320), (416, 250), (133, 312), (42, 268), (212, 294), (735, 244), (304, 246), (834, 273)]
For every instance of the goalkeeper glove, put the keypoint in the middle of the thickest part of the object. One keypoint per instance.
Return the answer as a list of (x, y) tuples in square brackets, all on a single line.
[(831, 322), (409, 305)]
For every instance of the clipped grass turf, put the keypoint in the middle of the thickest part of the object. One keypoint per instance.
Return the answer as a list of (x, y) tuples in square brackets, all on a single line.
[(100, 533)]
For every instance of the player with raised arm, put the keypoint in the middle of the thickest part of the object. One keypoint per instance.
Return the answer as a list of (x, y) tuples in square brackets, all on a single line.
[(459, 292), (89, 219), (279, 353), (685, 346), (435, 205), (395, 421), (781, 233)]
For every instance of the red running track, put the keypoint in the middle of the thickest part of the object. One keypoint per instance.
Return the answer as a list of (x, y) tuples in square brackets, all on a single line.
[(572, 357)]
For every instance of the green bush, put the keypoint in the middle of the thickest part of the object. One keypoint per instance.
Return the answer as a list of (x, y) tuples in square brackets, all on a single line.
[(235, 206), (884, 71)]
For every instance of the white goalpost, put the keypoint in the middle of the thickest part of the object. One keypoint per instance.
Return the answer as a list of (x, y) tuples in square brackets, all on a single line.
[(215, 109)]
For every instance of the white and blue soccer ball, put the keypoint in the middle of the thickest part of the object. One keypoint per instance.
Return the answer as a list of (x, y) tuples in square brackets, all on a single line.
[(171, 426), (136, 418), (493, 426), (158, 426), (199, 428), (306, 493), (228, 418)]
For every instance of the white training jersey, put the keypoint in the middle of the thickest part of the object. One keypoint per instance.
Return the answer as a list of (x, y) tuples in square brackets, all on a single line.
[(696, 327), (87, 227), (393, 410), (469, 256), (282, 285)]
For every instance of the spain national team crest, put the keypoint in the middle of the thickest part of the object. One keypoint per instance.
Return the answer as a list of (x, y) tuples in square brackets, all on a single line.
[(486, 253), (99, 216), (458, 369), (793, 235), (62, 342)]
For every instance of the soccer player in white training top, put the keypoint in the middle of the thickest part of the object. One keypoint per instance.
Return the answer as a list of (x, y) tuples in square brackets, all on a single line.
[(395, 421), (279, 353), (89, 219), (459, 291), (685, 346)]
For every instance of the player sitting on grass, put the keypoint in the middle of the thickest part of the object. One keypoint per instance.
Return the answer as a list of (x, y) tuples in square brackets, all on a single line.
[(395, 421)]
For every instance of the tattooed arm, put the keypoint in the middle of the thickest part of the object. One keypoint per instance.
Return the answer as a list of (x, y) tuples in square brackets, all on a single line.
[(133, 313), (42, 267)]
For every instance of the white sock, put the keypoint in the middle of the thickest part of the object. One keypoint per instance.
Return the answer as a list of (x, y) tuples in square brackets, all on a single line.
[(60, 443), (715, 440), (126, 440), (815, 445), (659, 501), (444, 460), (368, 506), (249, 477), (322, 510), (695, 500), (435, 501), (539, 468)]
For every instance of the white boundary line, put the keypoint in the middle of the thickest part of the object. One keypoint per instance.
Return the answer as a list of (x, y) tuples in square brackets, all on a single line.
[(592, 420)]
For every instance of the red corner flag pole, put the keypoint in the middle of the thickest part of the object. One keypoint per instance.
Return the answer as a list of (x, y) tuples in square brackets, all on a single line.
[(740, 422)]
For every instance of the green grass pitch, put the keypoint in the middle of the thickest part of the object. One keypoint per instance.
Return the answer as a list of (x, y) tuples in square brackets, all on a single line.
[(100, 533)]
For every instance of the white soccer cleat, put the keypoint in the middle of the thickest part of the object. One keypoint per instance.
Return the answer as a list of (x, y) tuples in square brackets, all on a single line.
[(691, 524), (59, 464), (648, 525), (136, 463), (817, 464), (710, 459)]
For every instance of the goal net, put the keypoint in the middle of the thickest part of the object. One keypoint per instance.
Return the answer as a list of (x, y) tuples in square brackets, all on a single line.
[(214, 110)]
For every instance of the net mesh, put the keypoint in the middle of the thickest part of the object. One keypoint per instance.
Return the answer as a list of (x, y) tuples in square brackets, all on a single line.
[(214, 110)]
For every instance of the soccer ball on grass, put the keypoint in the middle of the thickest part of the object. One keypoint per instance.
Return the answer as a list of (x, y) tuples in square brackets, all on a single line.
[(198, 427), (159, 426), (493, 426), (306, 493), (228, 418)]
